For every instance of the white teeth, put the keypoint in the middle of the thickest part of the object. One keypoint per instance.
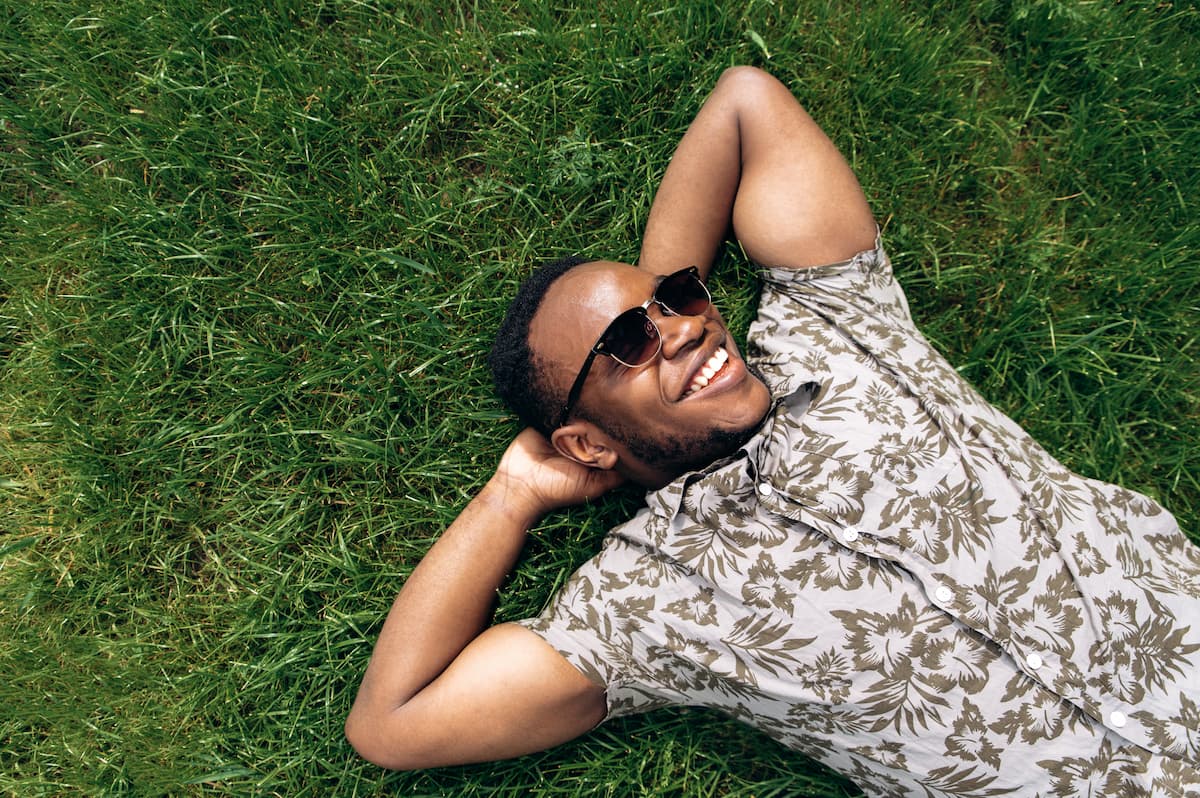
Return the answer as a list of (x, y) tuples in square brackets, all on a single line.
[(707, 371)]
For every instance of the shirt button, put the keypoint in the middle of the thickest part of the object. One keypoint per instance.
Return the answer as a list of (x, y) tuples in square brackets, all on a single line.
[(943, 594), (849, 534), (1034, 661), (1117, 718), (765, 489)]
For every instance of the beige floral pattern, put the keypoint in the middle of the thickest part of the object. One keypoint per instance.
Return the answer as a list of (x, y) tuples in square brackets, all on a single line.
[(895, 579)]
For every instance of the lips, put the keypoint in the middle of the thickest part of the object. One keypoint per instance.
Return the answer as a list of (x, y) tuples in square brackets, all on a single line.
[(706, 372)]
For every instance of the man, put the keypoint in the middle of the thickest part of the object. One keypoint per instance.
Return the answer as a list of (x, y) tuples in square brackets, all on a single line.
[(844, 545)]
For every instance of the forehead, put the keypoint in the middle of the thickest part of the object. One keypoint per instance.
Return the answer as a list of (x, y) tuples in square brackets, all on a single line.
[(580, 305)]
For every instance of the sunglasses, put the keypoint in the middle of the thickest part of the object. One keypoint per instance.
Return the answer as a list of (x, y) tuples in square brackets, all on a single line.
[(633, 339)]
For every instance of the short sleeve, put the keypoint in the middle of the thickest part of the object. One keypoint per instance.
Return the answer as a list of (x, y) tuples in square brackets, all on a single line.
[(593, 617), (805, 314)]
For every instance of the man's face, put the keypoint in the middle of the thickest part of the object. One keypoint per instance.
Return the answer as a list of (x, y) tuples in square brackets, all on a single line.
[(663, 413)]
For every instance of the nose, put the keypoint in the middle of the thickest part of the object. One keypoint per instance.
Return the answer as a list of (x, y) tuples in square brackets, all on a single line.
[(679, 333)]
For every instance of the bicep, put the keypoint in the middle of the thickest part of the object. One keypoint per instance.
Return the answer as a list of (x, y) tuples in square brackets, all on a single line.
[(798, 204), (508, 693), (753, 157)]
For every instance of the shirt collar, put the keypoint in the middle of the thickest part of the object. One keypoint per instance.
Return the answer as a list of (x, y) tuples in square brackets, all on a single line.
[(667, 501)]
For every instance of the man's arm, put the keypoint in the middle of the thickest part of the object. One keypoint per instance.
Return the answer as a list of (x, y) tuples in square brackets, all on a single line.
[(754, 159), (437, 691)]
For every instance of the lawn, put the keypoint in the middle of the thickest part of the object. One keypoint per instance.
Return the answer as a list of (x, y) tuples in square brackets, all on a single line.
[(252, 255)]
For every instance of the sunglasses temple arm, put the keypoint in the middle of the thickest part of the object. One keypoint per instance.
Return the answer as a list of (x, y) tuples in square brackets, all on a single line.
[(577, 388)]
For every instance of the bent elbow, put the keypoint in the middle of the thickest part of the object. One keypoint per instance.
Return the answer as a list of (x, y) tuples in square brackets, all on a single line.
[(379, 746)]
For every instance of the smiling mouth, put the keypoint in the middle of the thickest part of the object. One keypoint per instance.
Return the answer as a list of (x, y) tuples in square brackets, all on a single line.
[(707, 372)]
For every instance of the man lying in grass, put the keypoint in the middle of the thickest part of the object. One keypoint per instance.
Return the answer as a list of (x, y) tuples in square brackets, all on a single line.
[(843, 544)]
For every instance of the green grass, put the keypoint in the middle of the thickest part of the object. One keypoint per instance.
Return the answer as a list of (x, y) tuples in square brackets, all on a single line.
[(252, 255)]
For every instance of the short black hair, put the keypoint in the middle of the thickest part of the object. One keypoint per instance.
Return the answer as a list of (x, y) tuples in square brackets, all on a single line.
[(520, 379)]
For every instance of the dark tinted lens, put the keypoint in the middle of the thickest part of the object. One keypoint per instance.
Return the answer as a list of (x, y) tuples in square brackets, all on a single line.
[(683, 293), (632, 338)]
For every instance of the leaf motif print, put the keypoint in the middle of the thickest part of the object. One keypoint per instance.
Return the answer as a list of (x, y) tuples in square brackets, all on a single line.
[(655, 528), (1055, 491), (1113, 520), (954, 661), (652, 570), (1051, 619), (764, 588), (1179, 573), (814, 363), (972, 740), (1041, 716), (1120, 679), (689, 648), (1132, 503), (920, 532), (1111, 655), (683, 664), (952, 519), (827, 677), (829, 570), (711, 505), (1103, 774), (698, 609), (885, 641), (577, 593), (710, 548), (956, 782), (903, 703), (1048, 623), (753, 533), (693, 667), (1175, 780), (873, 781), (1133, 563), (765, 644), (1088, 559), (1180, 734), (834, 404), (878, 406), (965, 518), (899, 458), (890, 754), (841, 492), (612, 581), (632, 612), (1158, 653), (825, 720)]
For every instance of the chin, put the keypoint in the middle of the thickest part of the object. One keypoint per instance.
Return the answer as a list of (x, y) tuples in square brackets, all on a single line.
[(683, 453), (674, 454)]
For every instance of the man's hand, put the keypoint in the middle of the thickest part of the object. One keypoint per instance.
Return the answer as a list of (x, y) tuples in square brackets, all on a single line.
[(533, 478)]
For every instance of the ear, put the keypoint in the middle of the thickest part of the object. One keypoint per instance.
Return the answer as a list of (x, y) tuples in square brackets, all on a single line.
[(586, 444)]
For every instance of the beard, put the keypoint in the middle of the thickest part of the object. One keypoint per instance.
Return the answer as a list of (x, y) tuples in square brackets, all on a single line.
[(684, 452), (679, 454)]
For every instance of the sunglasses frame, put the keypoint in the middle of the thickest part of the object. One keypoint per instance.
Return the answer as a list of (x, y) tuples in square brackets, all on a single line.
[(600, 348)]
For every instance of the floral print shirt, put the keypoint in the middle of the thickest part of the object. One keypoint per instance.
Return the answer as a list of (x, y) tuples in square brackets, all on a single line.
[(895, 579)]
